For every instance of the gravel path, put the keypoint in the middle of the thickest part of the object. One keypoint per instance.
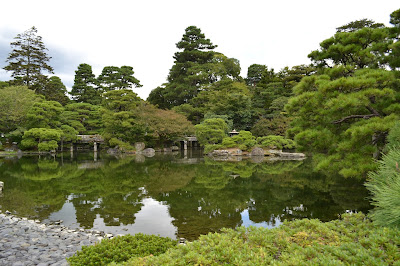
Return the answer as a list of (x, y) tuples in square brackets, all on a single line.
[(28, 242)]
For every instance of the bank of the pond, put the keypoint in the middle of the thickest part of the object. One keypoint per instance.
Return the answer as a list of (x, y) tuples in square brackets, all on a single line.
[(29, 242)]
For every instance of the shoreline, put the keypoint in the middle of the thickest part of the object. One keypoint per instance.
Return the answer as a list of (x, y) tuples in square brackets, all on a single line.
[(30, 242)]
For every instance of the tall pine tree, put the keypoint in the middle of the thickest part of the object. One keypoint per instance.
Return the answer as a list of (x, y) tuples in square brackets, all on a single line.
[(28, 59)]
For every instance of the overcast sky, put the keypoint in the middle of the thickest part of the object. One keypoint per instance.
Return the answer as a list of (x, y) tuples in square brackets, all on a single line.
[(143, 34)]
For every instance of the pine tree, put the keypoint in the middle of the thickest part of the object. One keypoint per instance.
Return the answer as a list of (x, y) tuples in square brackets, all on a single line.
[(86, 88), (28, 59)]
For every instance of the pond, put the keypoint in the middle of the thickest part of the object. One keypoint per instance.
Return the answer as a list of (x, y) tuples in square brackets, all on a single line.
[(175, 195)]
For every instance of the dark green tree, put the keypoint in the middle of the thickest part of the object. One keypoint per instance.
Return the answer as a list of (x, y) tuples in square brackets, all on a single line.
[(118, 78), (191, 70), (45, 114), (359, 44), (28, 59), (345, 119), (54, 90), (85, 88), (83, 117), (120, 117), (254, 74)]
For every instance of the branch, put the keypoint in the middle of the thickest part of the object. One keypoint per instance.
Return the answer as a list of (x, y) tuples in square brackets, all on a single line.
[(354, 116)]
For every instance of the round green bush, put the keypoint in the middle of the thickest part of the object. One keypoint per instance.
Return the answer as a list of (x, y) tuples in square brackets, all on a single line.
[(122, 248)]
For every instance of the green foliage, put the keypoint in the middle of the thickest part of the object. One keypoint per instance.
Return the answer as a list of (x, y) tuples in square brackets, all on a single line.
[(120, 116), (346, 118), (122, 248), (244, 141), (45, 114), (47, 145), (85, 88), (54, 90), (45, 139), (273, 126), (113, 142), (28, 59), (359, 43), (83, 117), (275, 142), (384, 185), (351, 240), (393, 138), (163, 126), (211, 131), (15, 103), (117, 78)]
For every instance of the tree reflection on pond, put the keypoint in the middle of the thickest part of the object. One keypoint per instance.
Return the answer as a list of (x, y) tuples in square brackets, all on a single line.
[(171, 195)]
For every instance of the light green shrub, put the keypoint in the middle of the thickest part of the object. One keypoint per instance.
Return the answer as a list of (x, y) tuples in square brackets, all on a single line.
[(353, 240), (121, 248), (275, 142)]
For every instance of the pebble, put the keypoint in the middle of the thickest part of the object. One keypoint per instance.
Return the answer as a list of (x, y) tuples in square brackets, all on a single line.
[(29, 242)]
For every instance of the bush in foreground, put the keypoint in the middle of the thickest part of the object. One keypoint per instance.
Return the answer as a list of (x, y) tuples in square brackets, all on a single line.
[(352, 240), (122, 248)]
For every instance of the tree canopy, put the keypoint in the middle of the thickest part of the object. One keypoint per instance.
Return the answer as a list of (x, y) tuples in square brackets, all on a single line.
[(28, 59)]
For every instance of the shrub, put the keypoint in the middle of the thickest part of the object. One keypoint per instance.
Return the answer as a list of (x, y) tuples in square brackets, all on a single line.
[(121, 144), (277, 142), (211, 131), (244, 141), (384, 185), (122, 248), (353, 240)]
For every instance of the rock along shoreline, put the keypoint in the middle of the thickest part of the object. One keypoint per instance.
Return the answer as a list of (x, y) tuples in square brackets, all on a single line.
[(29, 242)]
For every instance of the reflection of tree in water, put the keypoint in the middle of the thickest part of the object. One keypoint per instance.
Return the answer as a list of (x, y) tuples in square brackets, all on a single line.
[(33, 186), (202, 197)]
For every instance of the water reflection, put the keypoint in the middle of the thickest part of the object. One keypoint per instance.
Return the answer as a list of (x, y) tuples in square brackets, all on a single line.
[(174, 195)]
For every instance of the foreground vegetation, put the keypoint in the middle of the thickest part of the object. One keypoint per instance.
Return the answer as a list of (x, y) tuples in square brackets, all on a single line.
[(352, 239), (121, 249)]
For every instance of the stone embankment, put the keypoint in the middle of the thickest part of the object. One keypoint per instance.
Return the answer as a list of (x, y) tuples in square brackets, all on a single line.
[(28, 242)]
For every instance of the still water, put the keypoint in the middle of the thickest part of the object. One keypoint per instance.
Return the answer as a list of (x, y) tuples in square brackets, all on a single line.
[(172, 195)]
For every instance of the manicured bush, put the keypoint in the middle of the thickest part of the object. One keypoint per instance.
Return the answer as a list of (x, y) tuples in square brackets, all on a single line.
[(244, 141), (275, 142), (122, 248), (353, 240), (121, 144)]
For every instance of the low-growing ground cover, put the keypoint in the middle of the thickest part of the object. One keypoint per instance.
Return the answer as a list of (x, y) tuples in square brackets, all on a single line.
[(121, 248), (353, 239)]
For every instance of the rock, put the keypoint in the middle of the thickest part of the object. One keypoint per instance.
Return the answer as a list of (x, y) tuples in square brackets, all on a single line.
[(139, 146), (219, 153), (235, 152), (257, 152), (114, 150), (288, 155), (167, 149), (175, 148), (149, 152)]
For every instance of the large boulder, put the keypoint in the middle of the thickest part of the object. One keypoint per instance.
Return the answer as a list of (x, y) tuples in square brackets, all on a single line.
[(139, 146), (149, 152), (257, 152), (223, 153), (288, 155)]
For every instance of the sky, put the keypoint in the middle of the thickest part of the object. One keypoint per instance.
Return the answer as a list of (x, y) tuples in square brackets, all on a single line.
[(143, 34)]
